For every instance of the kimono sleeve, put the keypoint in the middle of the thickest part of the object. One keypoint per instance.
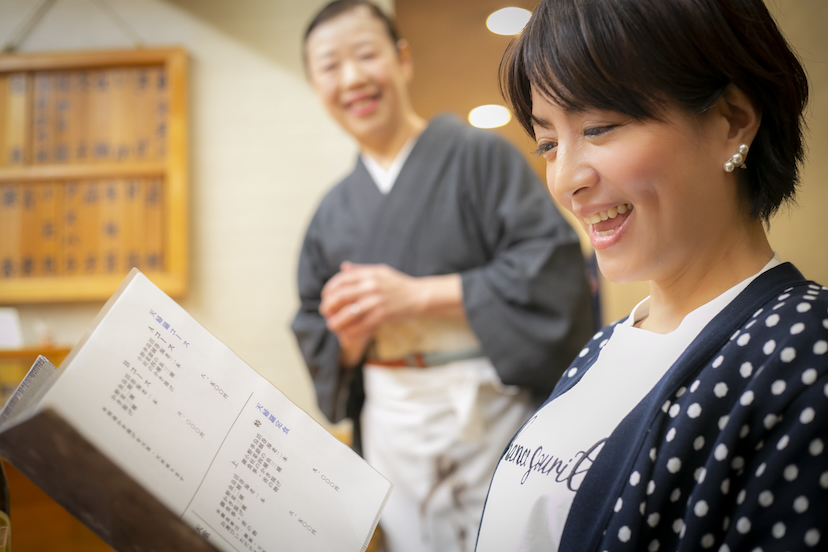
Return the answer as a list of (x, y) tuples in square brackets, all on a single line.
[(530, 305), (319, 346)]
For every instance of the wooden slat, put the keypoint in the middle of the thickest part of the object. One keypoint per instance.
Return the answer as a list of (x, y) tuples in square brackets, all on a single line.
[(49, 210), (89, 59), (70, 257), (11, 228), (76, 172), (80, 288), (17, 120), (177, 176), (29, 236)]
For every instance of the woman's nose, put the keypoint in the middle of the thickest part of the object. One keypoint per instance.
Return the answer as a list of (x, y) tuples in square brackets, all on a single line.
[(352, 74), (569, 174)]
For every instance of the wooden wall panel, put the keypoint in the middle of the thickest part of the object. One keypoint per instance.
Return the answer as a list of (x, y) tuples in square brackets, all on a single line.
[(93, 172)]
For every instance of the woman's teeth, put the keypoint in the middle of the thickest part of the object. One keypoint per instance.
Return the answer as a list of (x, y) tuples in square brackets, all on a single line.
[(608, 214)]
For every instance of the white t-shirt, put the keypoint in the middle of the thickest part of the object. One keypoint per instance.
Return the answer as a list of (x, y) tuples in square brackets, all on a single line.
[(536, 480)]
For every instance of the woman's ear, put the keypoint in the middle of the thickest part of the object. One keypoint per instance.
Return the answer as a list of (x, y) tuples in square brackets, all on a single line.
[(406, 60), (742, 117)]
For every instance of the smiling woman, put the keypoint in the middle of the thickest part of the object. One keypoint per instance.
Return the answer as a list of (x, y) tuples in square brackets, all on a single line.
[(672, 129)]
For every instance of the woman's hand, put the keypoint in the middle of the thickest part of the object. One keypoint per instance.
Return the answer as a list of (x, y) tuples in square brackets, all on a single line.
[(361, 297)]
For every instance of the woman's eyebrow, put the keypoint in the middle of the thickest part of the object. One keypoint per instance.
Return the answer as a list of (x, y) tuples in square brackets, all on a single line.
[(541, 122), (323, 55)]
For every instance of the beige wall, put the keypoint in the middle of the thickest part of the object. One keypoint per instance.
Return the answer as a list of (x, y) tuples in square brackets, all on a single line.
[(262, 153), (797, 233)]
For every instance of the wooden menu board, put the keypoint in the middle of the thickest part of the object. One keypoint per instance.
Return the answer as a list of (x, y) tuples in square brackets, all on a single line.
[(93, 173)]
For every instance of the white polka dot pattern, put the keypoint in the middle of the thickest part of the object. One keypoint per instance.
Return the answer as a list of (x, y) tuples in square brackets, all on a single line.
[(735, 455)]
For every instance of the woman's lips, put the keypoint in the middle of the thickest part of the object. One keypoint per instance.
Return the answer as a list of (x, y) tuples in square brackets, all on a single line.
[(362, 106), (605, 227)]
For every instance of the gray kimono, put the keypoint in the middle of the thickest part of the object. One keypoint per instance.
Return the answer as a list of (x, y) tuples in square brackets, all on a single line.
[(464, 202)]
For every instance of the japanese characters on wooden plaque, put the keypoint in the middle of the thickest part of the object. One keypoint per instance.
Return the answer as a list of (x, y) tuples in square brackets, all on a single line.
[(93, 173)]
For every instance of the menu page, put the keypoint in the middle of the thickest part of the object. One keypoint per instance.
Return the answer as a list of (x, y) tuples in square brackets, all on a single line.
[(208, 436)]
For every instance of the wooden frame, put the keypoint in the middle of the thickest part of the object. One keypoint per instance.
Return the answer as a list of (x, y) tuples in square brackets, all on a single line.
[(172, 170)]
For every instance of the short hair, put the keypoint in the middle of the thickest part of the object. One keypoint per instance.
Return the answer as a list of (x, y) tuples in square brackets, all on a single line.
[(636, 57), (338, 7)]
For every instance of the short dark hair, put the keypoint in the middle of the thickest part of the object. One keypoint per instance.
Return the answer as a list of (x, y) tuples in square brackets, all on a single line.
[(338, 7), (637, 57)]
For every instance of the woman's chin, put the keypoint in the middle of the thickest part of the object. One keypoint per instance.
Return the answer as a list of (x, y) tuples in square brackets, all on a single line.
[(618, 269)]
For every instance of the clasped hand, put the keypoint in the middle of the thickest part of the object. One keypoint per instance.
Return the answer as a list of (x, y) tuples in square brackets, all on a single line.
[(361, 297)]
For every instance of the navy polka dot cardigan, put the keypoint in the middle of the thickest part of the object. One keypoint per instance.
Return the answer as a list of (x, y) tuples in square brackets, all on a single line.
[(728, 450)]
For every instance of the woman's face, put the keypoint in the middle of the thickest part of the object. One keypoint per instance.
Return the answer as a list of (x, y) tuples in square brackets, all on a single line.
[(358, 73), (652, 195)]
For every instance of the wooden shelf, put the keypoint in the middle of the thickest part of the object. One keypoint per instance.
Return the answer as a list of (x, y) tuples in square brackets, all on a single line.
[(81, 288), (89, 59), (54, 354), (15, 364), (39, 524), (80, 172)]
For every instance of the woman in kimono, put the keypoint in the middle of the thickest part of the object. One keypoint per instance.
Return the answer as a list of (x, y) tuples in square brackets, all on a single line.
[(442, 293), (673, 130)]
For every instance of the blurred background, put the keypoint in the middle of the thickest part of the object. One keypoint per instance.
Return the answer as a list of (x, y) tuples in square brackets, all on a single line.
[(262, 152)]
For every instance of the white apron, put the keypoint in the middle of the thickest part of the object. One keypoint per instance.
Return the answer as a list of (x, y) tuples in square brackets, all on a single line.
[(437, 433)]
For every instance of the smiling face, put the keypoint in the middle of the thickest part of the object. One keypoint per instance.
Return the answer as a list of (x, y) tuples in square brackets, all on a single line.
[(360, 75), (651, 195)]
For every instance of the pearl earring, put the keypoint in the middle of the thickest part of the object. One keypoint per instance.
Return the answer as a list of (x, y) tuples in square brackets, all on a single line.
[(738, 159)]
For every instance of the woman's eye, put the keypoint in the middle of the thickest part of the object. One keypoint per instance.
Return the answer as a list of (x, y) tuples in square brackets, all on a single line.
[(544, 148), (598, 131)]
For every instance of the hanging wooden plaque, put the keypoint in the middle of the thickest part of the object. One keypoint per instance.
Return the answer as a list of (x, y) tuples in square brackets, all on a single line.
[(93, 172)]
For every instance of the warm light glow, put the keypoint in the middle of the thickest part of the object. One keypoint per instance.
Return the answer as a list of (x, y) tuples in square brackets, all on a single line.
[(508, 21), (489, 116)]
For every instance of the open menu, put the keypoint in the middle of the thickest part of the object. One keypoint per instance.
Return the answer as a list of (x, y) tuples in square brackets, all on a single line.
[(158, 437)]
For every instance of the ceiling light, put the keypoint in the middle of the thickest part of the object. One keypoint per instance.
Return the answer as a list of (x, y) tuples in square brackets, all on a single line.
[(508, 21), (489, 116)]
